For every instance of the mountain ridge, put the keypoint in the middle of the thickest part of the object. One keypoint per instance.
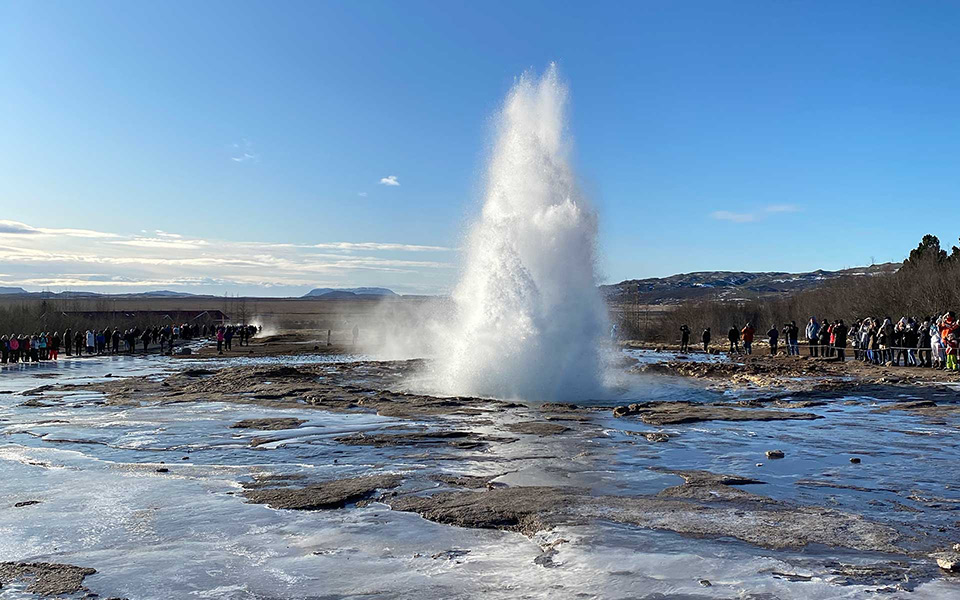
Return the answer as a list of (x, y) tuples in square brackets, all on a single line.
[(730, 286)]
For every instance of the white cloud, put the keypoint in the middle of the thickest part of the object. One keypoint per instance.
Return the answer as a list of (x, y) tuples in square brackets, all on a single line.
[(17, 228), (380, 246), (782, 208), (362, 194), (48, 258), (173, 241), (389, 180), (243, 152), (726, 215)]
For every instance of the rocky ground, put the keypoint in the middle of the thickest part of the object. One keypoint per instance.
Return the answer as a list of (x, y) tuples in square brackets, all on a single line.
[(445, 431)]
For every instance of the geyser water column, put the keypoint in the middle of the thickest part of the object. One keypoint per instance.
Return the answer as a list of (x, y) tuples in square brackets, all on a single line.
[(529, 318)]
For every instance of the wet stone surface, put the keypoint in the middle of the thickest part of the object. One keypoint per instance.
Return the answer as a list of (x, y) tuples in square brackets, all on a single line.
[(266, 479)]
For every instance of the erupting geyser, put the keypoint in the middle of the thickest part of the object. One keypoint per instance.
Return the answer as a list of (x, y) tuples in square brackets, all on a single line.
[(528, 315)]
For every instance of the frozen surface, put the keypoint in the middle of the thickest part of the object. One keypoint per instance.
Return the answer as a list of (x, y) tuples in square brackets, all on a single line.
[(188, 533)]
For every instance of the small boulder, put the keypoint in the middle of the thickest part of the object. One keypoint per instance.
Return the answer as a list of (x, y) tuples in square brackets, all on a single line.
[(948, 561), (773, 454), (855, 460)]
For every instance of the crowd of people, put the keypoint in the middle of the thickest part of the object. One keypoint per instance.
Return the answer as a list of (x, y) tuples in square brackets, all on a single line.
[(20, 348), (932, 342)]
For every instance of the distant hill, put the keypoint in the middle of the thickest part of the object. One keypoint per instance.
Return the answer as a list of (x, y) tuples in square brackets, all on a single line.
[(348, 292), (161, 294), (728, 285), (12, 290)]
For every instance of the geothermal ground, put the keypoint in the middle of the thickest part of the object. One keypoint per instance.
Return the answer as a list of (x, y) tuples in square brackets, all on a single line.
[(313, 475)]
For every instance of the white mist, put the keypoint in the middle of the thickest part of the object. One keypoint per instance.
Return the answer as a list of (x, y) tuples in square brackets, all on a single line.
[(528, 319)]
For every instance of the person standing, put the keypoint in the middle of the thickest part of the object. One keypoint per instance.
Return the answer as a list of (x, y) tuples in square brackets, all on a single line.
[(937, 354), (773, 335), (840, 340), (684, 338), (952, 347), (55, 346), (705, 339), (68, 341), (219, 340), (825, 349), (793, 335), (911, 339), (924, 344), (812, 332), (748, 332), (734, 336)]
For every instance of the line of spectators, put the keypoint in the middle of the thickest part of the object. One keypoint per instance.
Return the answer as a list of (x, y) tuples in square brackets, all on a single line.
[(932, 342), (16, 348)]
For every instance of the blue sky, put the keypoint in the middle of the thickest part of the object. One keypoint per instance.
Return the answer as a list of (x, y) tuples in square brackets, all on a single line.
[(212, 146)]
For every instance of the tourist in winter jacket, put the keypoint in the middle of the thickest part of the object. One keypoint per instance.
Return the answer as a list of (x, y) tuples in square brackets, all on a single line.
[(924, 344), (812, 332), (825, 338), (773, 335), (734, 336), (840, 339), (938, 353), (748, 332)]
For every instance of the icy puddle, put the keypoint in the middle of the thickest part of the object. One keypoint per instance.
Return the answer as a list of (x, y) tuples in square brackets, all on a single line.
[(152, 497)]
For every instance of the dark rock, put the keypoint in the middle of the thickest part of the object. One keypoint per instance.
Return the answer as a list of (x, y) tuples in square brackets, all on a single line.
[(196, 372), (48, 579), (269, 424), (331, 494), (26, 503), (466, 481), (754, 519), (676, 413), (450, 554), (774, 454)]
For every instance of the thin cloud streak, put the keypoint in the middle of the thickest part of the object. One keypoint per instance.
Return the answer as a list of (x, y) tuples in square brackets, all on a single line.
[(750, 217), (49, 257), (726, 215), (782, 208)]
